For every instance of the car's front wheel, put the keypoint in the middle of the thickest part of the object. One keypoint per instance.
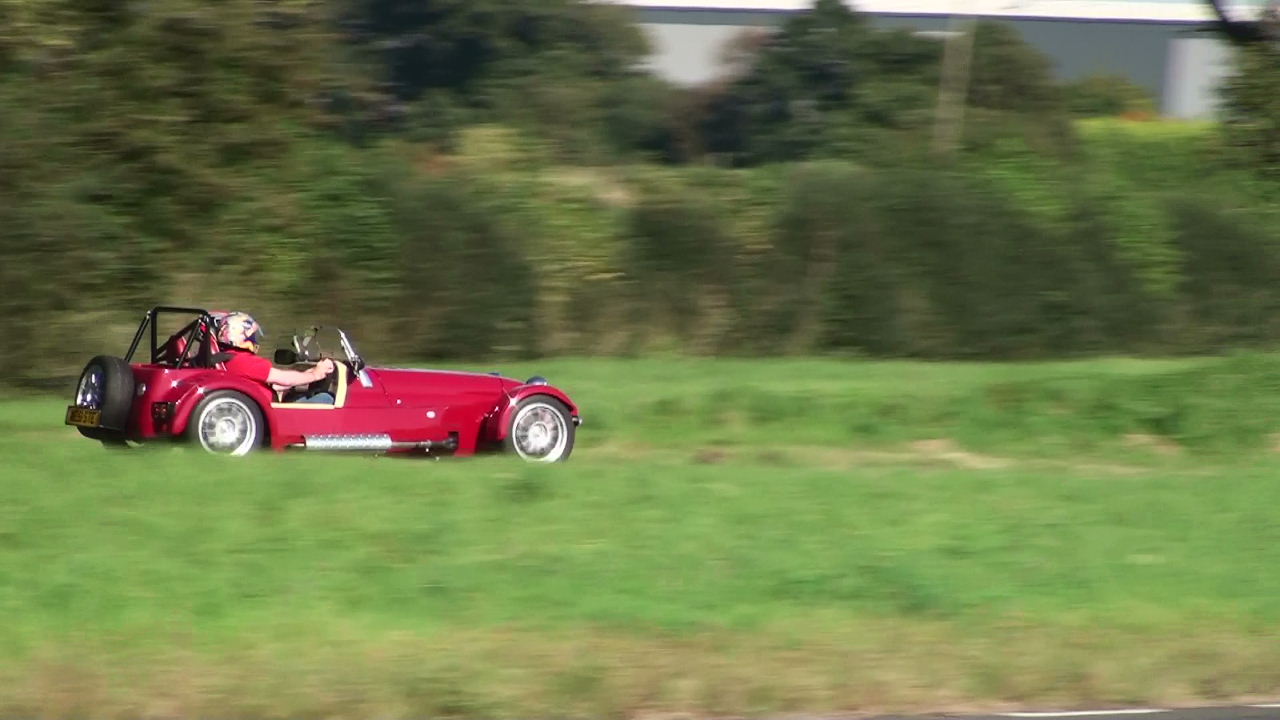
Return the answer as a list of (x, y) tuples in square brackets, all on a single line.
[(227, 423), (541, 430)]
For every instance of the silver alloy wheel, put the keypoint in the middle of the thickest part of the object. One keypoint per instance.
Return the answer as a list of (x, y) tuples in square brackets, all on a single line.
[(227, 426), (540, 433), (89, 392)]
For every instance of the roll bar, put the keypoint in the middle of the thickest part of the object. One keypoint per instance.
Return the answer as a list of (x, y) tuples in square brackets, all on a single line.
[(204, 318)]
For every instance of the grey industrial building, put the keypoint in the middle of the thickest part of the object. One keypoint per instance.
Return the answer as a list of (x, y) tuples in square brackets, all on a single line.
[(1166, 46)]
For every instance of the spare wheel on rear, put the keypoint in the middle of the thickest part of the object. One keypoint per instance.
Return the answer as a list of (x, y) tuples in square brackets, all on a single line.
[(106, 384)]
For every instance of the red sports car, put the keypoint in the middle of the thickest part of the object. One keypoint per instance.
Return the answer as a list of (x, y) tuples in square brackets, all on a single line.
[(183, 391)]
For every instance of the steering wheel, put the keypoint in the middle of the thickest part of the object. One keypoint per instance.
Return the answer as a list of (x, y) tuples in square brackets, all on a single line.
[(328, 383)]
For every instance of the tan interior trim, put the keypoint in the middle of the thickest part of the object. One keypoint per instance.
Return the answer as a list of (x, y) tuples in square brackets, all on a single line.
[(339, 399)]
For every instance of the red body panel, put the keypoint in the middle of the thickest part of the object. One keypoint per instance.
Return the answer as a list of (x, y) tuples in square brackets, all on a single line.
[(409, 405), (183, 387)]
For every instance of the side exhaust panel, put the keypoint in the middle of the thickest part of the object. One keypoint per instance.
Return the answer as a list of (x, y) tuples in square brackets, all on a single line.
[(368, 443)]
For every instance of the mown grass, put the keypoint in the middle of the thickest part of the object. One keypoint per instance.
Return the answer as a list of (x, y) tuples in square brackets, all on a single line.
[(1217, 406), (697, 556)]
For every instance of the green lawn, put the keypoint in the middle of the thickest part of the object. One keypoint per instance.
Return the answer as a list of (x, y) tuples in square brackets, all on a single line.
[(729, 538)]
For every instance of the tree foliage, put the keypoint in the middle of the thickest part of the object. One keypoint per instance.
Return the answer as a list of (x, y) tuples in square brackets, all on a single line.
[(828, 83), (461, 44), (822, 73), (548, 66), (131, 133), (1251, 107), (444, 175)]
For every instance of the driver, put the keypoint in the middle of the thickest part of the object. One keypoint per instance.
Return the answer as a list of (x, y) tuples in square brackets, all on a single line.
[(239, 334)]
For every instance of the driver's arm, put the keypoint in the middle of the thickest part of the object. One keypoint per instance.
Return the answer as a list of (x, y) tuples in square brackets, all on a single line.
[(294, 378)]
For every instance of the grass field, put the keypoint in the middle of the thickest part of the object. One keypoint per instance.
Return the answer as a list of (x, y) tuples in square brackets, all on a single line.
[(731, 537)]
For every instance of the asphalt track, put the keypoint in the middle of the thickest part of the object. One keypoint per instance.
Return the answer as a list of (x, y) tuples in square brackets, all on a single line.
[(1269, 711)]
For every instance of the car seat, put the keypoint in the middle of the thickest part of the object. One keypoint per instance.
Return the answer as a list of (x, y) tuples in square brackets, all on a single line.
[(171, 351)]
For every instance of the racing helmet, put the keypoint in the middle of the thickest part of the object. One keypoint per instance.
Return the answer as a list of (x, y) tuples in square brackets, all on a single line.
[(239, 329)]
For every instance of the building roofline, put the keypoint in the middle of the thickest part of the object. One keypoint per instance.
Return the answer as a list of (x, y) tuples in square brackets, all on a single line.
[(1114, 10)]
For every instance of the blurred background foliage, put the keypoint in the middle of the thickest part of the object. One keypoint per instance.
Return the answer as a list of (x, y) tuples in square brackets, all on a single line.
[(495, 178)]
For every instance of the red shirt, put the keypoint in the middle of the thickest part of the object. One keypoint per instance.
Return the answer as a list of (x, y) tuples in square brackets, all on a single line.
[(245, 363)]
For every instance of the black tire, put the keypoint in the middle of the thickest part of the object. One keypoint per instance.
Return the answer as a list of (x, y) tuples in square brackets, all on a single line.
[(540, 430), (106, 384), (227, 423)]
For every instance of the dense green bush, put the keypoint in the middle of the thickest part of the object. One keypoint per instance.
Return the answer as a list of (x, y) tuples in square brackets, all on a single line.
[(1107, 96), (464, 286), (485, 254), (837, 282), (1231, 272), (1251, 108), (679, 255)]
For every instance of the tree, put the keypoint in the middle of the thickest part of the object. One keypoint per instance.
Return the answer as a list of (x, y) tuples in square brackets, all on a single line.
[(1013, 92), (129, 136), (458, 44), (548, 67), (1251, 96), (827, 83), (1251, 107), (824, 74)]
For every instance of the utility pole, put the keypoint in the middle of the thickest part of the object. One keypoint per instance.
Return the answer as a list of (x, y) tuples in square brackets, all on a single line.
[(957, 57)]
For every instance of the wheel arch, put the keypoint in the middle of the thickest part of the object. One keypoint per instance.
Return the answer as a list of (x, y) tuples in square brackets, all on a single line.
[(191, 400), (233, 394), (502, 416)]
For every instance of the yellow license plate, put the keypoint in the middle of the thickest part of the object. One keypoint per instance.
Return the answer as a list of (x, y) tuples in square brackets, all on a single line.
[(84, 417)]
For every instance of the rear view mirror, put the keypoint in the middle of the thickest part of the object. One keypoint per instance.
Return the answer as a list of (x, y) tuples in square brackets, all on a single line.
[(285, 356)]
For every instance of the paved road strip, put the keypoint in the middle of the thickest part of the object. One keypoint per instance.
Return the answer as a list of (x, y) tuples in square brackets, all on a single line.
[(1253, 711), (1083, 713)]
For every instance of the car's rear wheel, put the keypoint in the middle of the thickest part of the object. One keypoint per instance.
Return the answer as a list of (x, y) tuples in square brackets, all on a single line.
[(106, 384), (227, 423), (541, 430)]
